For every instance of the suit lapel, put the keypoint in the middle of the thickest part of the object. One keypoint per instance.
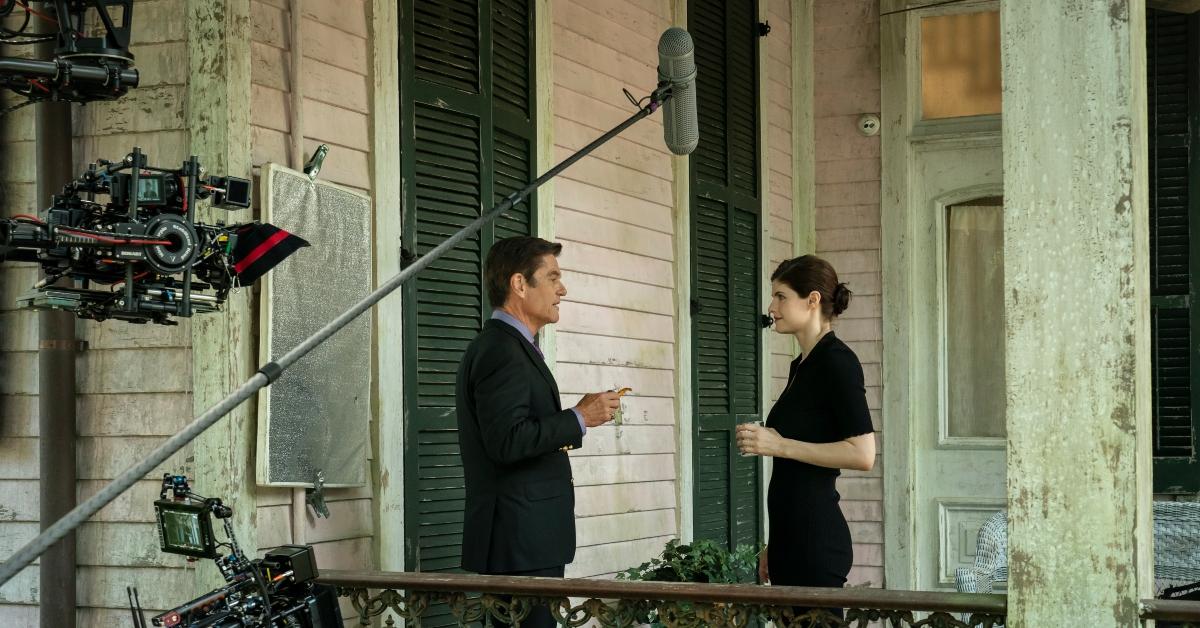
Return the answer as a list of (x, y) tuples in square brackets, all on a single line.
[(536, 357)]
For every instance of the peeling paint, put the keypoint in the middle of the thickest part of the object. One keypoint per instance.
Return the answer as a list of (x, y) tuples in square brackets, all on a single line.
[(1118, 11), (1075, 358)]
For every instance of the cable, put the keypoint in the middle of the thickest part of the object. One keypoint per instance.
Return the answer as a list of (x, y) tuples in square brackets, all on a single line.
[(266, 596), (121, 282), (28, 218), (923, 6), (639, 103), (7, 10), (4, 112), (39, 14)]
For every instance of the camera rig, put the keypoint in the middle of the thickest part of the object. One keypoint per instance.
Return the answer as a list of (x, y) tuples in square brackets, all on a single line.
[(83, 69), (141, 257), (277, 590)]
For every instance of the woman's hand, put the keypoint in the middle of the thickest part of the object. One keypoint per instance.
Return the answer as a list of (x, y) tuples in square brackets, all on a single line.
[(764, 576), (757, 440)]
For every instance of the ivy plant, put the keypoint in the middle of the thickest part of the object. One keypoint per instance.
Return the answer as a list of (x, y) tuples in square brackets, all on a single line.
[(699, 561)]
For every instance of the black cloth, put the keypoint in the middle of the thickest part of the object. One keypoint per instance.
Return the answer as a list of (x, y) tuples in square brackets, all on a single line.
[(825, 402), (513, 433), (539, 616), (259, 247)]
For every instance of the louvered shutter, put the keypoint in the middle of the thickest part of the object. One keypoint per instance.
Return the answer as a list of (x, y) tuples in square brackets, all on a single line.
[(726, 269), (1171, 98), (467, 123)]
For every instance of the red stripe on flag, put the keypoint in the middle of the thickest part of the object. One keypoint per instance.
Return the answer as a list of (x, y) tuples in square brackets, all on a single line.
[(260, 250)]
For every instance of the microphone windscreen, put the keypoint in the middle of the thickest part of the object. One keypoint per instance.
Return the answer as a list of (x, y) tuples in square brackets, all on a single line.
[(677, 66)]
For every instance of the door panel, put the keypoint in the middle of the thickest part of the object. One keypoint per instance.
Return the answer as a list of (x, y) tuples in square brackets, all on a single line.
[(959, 448)]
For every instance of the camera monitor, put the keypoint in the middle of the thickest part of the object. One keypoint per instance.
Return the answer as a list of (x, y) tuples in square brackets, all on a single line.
[(185, 528)]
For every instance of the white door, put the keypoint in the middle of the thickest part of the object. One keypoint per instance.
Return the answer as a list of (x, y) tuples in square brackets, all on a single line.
[(944, 444), (958, 433)]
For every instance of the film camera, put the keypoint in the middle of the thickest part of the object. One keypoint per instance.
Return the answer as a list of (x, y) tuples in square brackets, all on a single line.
[(83, 68), (277, 590), (141, 256)]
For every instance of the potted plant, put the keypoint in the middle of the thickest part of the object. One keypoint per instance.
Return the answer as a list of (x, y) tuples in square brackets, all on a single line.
[(699, 561)]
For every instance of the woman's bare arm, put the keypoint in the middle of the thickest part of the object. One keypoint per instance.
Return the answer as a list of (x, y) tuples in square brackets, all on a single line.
[(856, 452)]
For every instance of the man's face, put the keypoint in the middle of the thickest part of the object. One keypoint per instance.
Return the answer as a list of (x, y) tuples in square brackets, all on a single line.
[(542, 295)]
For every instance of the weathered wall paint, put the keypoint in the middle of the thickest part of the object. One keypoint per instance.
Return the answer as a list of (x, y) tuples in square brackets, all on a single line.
[(846, 85), (1077, 328)]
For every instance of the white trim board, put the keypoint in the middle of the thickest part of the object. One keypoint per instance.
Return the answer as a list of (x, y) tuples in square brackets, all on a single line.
[(388, 458), (686, 485)]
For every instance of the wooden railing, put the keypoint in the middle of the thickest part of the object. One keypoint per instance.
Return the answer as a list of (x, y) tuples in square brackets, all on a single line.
[(473, 599), (1181, 613)]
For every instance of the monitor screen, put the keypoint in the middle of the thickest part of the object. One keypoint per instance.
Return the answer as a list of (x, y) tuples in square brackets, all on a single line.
[(237, 192), (185, 529), (150, 190)]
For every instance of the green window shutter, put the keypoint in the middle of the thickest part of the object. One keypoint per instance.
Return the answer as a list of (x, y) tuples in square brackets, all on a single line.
[(745, 353), (466, 93), (1171, 98), (726, 270), (513, 111), (446, 43)]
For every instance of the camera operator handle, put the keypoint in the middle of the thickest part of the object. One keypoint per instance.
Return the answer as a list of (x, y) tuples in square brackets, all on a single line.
[(60, 69)]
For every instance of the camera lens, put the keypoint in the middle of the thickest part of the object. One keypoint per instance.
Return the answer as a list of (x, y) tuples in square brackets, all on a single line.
[(168, 259)]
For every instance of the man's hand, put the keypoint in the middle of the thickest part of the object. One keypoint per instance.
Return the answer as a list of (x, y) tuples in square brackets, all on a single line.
[(598, 408)]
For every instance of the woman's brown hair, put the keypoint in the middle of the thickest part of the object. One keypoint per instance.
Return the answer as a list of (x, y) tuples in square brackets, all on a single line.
[(809, 273)]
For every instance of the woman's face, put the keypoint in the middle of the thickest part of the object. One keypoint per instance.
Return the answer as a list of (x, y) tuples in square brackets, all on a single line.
[(791, 311)]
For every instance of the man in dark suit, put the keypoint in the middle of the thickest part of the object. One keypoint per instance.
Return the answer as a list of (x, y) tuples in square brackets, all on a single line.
[(513, 431)]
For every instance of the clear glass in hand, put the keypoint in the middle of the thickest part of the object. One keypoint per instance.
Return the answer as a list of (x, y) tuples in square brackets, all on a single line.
[(740, 452)]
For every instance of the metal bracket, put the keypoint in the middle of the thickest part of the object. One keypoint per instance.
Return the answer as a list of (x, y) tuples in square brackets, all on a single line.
[(315, 496), (313, 166), (407, 257), (764, 29)]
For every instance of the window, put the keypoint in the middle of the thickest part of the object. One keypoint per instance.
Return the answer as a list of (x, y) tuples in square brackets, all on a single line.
[(1172, 116), (975, 388), (960, 65)]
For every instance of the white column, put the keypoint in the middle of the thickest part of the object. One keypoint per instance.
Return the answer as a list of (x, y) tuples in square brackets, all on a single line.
[(1077, 319), (224, 349)]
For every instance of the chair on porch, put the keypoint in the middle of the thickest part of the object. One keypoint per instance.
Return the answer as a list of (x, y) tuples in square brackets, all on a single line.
[(1176, 550)]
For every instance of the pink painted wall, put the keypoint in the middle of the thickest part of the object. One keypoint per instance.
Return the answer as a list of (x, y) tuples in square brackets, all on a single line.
[(846, 69)]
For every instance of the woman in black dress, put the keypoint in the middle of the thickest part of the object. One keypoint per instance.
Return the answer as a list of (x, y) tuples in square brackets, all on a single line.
[(819, 425)]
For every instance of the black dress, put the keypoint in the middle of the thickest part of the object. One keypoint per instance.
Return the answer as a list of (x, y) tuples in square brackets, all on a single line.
[(825, 402)]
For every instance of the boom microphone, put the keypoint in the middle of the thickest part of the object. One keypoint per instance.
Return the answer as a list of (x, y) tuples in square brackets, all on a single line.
[(677, 67)]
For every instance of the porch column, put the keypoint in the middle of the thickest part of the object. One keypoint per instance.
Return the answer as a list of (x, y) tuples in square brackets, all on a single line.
[(1077, 311), (224, 353)]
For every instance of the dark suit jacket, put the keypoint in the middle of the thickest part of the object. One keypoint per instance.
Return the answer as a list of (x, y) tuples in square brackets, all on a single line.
[(512, 429)]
